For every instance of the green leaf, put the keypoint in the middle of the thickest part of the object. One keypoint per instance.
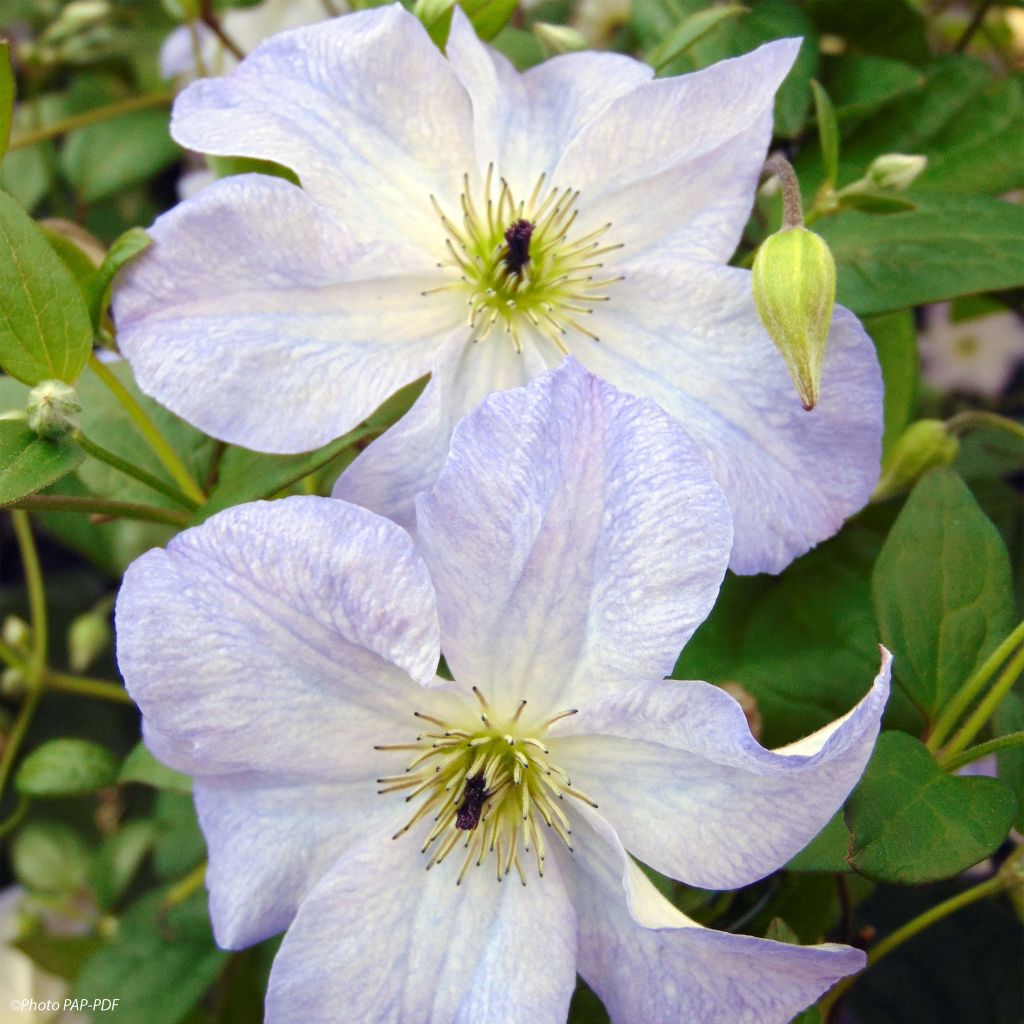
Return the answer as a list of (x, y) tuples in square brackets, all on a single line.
[(891, 29), (124, 248), (941, 250), (119, 859), (179, 846), (488, 17), (28, 463), (77, 261), (60, 955), (877, 201), (895, 338), (1009, 717), (942, 590), (66, 767), (7, 89), (860, 83), (159, 965), (912, 823), (827, 850), (141, 766), (828, 132), (44, 327), (688, 31), (104, 159), (49, 857)]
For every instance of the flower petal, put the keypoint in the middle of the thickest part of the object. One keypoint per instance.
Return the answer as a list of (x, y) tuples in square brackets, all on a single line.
[(279, 637), (253, 313), (690, 792), (408, 458), (381, 940), (524, 122), (686, 334), (673, 165), (365, 110), (576, 539), (655, 964)]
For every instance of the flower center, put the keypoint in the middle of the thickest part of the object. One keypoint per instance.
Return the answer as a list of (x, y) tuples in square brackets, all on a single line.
[(520, 264), (489, 787)]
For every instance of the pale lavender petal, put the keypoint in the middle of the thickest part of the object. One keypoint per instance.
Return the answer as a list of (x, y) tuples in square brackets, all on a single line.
[(363, 108), (690, 792), (279, 637), (382, 940), (673, 165), (576, 539), (686, 334), (255, 317), (648, 962)]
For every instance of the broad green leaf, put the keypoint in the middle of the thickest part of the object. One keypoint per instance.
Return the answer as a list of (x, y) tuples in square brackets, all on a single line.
[(1009, 717), (225, 166), (912, 823), (111, 156), (828, 132), (688, 31), (877, 201), (49, 857), (119, 858), (141, 766), (180, 845), (827, 850), (124, 248), (890, 29), (78, 263), (28, 463), (942, 590), (66, 767), (943, 249), (895, 338), (488, 17), (160, 964), (859, 83), (44, 327), (60, 955), (7, 88)]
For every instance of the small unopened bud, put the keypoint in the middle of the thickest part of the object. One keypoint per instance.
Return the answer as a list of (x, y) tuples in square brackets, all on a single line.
[(924, 445), (16, 633), (895, 171), (13, 682), (555, 39), (88, 637), (53, 409), (794, 283)]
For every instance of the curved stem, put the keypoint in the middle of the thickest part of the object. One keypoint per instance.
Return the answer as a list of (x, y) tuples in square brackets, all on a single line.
[(102, 507), (17, 735), (1011, 739), (965, 696), (986, 709), (130, 469), (163, 451), (69, 124), (964, 421), (86, 687), (792, 203), (36, 593), (14, 820)]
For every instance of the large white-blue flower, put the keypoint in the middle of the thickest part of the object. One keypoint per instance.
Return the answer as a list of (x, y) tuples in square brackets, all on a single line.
[(285, 655), (459, 218)]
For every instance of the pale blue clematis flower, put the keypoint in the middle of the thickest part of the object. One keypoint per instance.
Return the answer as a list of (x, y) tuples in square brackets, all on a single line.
[(285, 654), (459, 218)]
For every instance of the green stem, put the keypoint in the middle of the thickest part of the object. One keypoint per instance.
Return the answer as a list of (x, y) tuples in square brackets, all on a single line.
[(102, 507), (11, 656), (14, 820), (69, 124), (130, 469), (989, 887), (17, 735), (792, 203), (163, 451), (967, 693), (1011, 739), (36, 593), (984, 711), (964, 421), (86, 687)]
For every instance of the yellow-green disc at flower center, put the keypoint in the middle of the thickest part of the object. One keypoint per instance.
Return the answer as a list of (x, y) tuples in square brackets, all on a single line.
[(520, 264)]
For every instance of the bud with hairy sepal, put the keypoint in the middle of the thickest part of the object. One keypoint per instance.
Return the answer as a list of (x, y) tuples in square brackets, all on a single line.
[(924, 445), (895, 171), (53, 409), (794, 283)]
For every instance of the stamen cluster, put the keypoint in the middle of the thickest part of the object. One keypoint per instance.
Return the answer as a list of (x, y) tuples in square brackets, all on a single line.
[(488, 788)]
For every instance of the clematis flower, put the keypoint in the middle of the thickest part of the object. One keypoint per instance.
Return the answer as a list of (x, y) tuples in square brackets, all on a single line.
[(455, 851), (462, 219)]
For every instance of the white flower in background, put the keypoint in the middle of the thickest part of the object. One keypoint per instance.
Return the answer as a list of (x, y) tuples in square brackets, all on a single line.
[(247, 27), (284, 654), (462, 219), (976, 356)]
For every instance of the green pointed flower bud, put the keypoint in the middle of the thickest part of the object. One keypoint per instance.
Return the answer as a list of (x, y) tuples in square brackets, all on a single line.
[(88, 637), (794, 285), (556, 39), (53, 409), (895, 171), (924, 445)]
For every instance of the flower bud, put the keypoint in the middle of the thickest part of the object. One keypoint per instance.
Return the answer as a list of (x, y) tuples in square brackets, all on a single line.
[(88, 637), (53, 409), (794, 283), (895, 171), (555, 39), (13, 683), (16, 633), (924, 445)]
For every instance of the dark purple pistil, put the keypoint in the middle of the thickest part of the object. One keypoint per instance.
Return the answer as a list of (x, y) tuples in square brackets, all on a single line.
[(468, 815), (517, 238)]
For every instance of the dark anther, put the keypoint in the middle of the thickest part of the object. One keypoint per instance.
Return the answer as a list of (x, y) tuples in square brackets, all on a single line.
[(517, 237), (468, 815)]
